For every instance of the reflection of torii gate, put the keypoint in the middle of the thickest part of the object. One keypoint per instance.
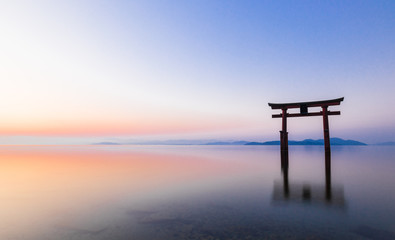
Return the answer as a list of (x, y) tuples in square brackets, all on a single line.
[(304, 113)]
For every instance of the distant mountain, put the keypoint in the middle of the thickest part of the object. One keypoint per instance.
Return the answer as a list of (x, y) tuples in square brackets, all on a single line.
[(339, 141), (173, 142), (228, 143), (334, 141), (265, 143), (106, 143)]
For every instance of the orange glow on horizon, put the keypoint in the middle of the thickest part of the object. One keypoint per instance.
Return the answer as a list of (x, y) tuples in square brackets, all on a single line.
[(115, 126), (97, 128)]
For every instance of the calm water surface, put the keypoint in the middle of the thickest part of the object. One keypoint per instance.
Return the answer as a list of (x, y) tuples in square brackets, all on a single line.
[(195, 192)]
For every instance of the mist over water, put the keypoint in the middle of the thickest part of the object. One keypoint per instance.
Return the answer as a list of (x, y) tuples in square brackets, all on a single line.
[(195, 192)]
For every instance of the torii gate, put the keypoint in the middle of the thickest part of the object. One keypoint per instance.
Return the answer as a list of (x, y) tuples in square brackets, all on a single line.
[(305, 113)]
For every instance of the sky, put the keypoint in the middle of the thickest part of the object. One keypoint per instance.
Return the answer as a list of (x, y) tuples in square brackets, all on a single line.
[(77, 72)]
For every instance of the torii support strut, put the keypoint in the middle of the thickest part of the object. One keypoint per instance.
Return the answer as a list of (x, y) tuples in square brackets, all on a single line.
[(303, 106)]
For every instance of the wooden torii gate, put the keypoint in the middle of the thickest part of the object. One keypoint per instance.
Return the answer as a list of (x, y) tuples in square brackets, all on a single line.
[(303, 106)]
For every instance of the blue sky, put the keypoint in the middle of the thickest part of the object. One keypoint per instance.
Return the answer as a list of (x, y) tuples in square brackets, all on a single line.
[(82, 71)]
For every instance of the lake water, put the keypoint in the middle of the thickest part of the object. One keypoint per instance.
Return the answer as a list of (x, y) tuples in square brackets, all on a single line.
[(196, 192)]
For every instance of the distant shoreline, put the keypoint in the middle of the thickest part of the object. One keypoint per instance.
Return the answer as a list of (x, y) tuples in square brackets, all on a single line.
[(306, 142)]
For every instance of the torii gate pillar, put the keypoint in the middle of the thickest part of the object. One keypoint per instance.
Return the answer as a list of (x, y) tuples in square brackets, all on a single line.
[(284, 139), (304, 113), (326, 129), (284, 134)]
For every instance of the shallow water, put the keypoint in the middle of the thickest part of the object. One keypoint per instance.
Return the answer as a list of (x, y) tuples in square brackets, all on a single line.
[(196, 192)]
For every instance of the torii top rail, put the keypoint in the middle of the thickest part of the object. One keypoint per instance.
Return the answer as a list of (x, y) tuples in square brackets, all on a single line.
[(304, 113)]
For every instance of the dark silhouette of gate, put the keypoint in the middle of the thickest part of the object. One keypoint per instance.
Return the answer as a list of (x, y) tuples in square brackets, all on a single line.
[(304, 112)]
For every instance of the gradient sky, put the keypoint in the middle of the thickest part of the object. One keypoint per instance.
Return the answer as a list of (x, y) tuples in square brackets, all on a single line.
[(85, 71)]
